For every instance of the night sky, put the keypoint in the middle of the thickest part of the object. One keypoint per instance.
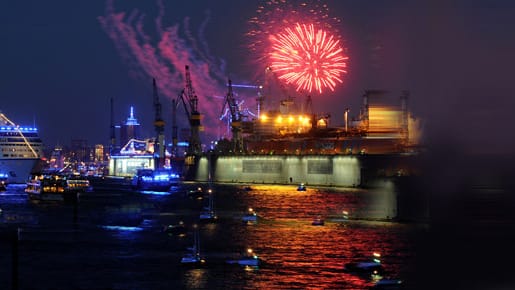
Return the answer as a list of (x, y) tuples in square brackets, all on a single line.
[(62, 61)]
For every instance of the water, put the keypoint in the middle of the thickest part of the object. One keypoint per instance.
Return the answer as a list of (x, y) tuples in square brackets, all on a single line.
[(115, 240)]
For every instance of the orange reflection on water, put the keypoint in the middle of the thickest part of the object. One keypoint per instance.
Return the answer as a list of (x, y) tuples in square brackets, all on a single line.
[(297, 254)]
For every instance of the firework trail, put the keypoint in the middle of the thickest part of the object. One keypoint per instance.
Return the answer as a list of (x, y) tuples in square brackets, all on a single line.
[(165, 59)]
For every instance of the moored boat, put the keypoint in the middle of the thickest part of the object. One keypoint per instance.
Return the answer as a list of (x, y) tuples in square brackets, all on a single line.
[(193, 257), (154, 180), (56, 187), (208, 213)]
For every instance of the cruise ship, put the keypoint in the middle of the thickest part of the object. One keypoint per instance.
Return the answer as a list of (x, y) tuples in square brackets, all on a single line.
[(20, 150)]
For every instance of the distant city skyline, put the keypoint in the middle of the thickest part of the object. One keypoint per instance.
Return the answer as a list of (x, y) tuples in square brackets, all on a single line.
[(61, 65)]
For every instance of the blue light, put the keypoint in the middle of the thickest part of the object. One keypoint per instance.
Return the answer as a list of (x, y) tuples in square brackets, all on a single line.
[(244, 86), (151, 192), (123, 228), (161, 177), (147, 178)]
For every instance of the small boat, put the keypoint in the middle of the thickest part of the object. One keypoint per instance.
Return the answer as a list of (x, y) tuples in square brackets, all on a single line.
[(247, 188), (388, 284), (248, 259), (301, 187), (3, 182), (154, 180), (192, 257), (250, 216), (345, 215), (318, 221), (56, 187), (208, 213), (197, 193), (370, 266), (176, 230)]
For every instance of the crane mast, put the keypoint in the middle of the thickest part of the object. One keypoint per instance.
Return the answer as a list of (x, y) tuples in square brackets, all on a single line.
[(112, 144), (159, 125), (190, 102), (230, 102), (175, 139)]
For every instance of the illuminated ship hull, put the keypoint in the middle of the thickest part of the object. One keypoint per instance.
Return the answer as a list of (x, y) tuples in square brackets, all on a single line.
[(154, 180), (20, 151), (17, 170)]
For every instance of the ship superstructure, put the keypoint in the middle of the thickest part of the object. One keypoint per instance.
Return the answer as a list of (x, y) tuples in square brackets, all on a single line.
[(380, 128), (20, 150)]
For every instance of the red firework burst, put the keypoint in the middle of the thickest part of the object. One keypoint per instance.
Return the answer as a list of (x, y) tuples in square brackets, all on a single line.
[(309, 58)]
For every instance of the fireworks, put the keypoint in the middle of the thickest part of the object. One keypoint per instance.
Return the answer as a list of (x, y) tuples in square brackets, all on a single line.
[(309, 58), (300, 41)]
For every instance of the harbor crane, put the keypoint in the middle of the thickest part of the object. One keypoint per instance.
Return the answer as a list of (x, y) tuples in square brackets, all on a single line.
[(231, 103), (159, 125), (189, 100)]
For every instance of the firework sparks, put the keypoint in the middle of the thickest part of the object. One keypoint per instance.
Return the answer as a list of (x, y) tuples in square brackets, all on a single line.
[(273, 15), (277, 20), (309, 58)]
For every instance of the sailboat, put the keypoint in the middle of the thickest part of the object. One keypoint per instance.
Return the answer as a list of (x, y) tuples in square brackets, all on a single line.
[(193, 257), (208, 213)]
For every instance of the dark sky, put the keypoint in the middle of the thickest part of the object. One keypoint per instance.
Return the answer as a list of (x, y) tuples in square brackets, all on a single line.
[(62, 61)]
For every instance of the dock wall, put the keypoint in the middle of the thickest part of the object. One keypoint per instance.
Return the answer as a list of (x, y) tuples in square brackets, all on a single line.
[(342, 171), (321, 170)]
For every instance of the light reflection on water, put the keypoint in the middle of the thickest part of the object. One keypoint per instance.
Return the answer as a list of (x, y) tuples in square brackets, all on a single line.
[(122, 238)]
